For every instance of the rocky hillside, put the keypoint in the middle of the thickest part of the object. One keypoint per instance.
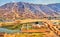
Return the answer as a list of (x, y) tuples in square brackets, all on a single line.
[(27, 10)]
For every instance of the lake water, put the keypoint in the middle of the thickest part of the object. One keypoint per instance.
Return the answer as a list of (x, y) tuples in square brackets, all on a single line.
[(8, 31)]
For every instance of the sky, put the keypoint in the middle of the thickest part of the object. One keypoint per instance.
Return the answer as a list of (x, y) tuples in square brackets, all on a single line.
[(2, 2)]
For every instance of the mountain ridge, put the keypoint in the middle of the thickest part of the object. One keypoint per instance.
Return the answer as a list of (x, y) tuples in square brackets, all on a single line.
[(27, 10)]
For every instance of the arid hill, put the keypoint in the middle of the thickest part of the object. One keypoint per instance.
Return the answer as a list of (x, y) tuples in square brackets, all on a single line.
[(27, 10)]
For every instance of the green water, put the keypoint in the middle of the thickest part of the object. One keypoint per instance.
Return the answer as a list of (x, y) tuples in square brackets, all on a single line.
[(8, 31)]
